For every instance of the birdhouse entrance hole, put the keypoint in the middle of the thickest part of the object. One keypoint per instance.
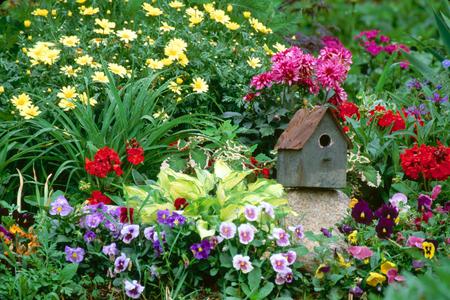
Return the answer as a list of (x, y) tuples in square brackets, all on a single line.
[(324, 140)]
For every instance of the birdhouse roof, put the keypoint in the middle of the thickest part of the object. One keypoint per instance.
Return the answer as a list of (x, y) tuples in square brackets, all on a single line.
[(302, 127)]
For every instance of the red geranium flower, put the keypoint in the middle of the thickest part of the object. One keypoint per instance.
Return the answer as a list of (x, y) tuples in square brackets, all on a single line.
[(348, 109), (99, 197), (135, 153), (105, 160), (426, 162)]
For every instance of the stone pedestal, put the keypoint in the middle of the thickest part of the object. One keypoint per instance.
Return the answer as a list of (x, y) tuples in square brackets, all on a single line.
[(316, 208)]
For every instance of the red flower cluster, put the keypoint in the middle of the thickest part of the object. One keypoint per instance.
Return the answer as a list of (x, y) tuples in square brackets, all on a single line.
[(426, 162), (255, 163), (135, 153), (348, 109), (99, 197), (105, 160), (387, 118)]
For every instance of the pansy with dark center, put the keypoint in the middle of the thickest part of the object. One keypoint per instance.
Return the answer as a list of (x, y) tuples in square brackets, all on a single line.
[(362, 213), (201, 250), (387, 211), (424, 202), (384, 228)]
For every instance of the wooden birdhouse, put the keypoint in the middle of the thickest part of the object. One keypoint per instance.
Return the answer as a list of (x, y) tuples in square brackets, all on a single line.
[(312, 151)]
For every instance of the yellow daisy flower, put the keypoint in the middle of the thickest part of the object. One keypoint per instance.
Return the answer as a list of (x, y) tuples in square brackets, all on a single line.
[(85, 60), (175, 88), (151, 10), (67, 92), (154, 64), (88, 11), (99, 77), (126, 35), (30, 112), (166, 27), (254, 62), (67, 104), (69, 41), (219, 16), (22, 101), (232, 25), (175, 48), (195, 16), (176, 4), (199, 85), (106, 27), (69, 71), (85, 99), (117, 69)]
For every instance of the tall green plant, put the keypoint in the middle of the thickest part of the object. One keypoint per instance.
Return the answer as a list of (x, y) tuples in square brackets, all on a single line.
[(126, 113)]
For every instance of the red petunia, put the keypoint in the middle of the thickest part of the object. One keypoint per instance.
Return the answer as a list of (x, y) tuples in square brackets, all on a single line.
[(265, 172), (99, 197)]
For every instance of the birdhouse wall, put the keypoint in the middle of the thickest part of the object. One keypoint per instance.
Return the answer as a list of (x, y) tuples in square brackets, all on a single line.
[(321, 163)]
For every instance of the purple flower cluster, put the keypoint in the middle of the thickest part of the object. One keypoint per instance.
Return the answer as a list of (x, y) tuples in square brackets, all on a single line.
[(171, 219), (280, 263)]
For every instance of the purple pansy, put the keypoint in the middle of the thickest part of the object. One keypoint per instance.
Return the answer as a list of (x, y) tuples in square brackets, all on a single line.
[(201, 250), (93, 220), (162, 216), (149, 233), (284, 277), (279, 263), (74, 255), (345, 228), (291, 256), (133, 289), (362, 213), (60, 207), (424, 202), (281, 237), (129, 233), (251, 212), (175, 219), (242, 263), (387, 211), (227, 230), (246, 233), (121, 263), (325, 232), (110, 250), (89, 236), (298, 231), (356, 291), (268, 209), (398, 198), (384, 228)]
